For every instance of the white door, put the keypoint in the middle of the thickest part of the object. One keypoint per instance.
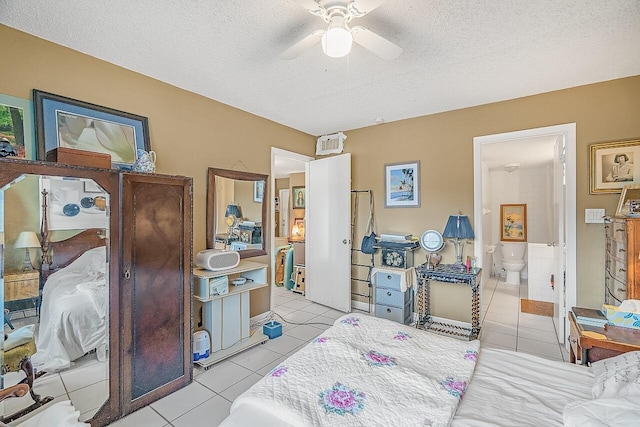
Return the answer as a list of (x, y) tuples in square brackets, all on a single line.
[(328, 231), (559, 255), (284, 213)]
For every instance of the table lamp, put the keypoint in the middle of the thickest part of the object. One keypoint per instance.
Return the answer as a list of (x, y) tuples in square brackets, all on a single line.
[(26, 240), (233, 215), (458, 228)]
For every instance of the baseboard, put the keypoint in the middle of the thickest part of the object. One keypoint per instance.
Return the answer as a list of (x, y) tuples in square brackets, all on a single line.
[(542, 308), (362, 306)]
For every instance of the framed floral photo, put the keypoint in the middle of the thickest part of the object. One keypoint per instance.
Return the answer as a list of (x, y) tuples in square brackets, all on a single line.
[(402, 185), (69, 123), (612, 166), (16, 126), (513, 218)]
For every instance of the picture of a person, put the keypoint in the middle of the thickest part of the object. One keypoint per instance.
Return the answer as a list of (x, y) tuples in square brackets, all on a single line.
[(300, 199), (622, 169)]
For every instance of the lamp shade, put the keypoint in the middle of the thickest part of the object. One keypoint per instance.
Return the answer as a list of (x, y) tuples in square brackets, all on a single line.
[(27, 239), (458, 227), (234, 210)]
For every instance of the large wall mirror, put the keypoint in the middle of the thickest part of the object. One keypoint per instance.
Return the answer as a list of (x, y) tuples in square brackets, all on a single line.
[(63, 298), (237, 211)]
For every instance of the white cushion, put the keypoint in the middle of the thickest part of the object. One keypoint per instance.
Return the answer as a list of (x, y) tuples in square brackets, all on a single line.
[(617, 376), (619, 412), (18, 337)]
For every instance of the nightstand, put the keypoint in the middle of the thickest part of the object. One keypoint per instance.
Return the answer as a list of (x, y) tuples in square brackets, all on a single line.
[(593, 343), (21, 291)]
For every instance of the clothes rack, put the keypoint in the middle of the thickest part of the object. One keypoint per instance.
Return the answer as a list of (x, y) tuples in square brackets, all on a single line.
[(360, 272)]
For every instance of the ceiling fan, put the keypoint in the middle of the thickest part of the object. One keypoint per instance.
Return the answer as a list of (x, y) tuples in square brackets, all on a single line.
[(338, 37)]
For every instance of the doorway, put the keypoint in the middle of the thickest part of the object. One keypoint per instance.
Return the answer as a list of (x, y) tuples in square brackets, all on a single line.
[(562, 214)]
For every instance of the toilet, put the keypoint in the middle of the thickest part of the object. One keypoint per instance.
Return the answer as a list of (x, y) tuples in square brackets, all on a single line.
[(513, 260)]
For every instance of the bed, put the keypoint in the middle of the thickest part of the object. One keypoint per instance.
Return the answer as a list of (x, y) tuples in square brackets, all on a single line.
[(368, 371), (73, 313)]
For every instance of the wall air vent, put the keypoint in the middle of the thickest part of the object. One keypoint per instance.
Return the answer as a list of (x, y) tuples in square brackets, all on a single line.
[(330, 144)]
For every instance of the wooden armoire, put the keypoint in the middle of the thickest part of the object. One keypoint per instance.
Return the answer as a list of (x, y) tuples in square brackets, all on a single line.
[(150, 293)]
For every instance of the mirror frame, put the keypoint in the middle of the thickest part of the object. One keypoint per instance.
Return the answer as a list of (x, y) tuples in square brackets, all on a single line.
[(212, 212), (11, 169)]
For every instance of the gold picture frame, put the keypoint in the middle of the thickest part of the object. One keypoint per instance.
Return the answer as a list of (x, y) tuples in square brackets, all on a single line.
[(629, 202), (513, 218), (612, 166)]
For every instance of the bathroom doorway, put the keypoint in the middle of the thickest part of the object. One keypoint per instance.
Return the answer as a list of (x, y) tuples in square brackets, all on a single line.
[(550, 149)]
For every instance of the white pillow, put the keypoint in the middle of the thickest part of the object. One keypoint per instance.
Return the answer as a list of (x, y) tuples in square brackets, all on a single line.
[(619, 412), (18, 337), (617, 376)]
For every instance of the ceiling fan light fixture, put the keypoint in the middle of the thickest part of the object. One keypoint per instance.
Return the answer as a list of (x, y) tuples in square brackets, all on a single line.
[(337, 40)]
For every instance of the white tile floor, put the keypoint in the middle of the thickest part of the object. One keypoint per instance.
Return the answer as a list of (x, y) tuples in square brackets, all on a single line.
[(207, 400)]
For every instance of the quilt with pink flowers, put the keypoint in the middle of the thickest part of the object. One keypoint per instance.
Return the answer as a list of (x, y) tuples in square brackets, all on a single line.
[(366, 371)]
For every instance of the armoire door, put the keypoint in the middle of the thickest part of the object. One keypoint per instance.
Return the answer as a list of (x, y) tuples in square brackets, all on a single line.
[(155, 287)]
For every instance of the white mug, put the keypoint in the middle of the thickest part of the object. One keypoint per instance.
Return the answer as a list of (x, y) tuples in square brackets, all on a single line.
[(66, 195)]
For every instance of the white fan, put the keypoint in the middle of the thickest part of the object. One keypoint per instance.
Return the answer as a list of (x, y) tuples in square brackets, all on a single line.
[(338, 36)]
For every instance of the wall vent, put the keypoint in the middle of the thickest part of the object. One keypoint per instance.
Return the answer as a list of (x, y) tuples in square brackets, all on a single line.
[(330, 144)]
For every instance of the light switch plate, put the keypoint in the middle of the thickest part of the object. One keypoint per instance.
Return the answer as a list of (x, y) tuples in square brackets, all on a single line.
[(594, 216)]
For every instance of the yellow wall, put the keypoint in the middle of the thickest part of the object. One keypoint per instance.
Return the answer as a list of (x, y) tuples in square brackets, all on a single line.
[(443, 143), (191, 133)]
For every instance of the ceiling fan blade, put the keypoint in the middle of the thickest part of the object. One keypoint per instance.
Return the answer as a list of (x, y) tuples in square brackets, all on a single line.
[(375, 43), (302, 45), (312, 7), (360, 8)]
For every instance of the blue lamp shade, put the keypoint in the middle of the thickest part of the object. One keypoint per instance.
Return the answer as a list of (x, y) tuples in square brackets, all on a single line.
[(458, 227), (233, 210)]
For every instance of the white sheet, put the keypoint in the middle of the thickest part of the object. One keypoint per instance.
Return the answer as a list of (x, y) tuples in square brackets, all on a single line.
[(517, 389), (73, 313), (367, 371)]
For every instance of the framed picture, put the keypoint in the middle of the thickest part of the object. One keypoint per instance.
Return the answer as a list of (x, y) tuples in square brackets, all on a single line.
[(74, 204), (298, 197), (514, 222), (612, 166), (69, 123), (402, 185), (297, 230), (16, 125), (629, 203), (258, 191)]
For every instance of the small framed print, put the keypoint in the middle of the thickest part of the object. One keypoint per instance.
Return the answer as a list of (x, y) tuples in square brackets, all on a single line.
[(298, 197), (258, 191), (513, 218), (629, 202), (402, 185)]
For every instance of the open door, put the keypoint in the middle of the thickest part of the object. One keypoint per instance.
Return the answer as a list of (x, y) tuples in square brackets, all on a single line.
[(559, 255), (328, 231)]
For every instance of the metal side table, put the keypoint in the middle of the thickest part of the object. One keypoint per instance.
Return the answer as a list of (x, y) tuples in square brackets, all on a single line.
[(448, 274)]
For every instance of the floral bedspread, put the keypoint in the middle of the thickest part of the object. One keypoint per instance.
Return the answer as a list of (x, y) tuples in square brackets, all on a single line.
[(370, 372)]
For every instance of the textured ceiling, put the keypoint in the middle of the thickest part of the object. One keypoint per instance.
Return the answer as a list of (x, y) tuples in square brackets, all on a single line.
[(457, 53)]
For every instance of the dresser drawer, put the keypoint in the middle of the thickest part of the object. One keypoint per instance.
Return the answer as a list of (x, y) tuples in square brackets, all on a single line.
[(387, 280), (392, 297), (619, 230), (397, 314), (617, 248), (617, 268)]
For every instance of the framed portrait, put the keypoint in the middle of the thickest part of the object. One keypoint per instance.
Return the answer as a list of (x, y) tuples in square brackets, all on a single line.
[(16, 125), (513, 218), (612, 166), (629, 202), (69, 123), (402, 185), (258, 191), (298, 197)]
